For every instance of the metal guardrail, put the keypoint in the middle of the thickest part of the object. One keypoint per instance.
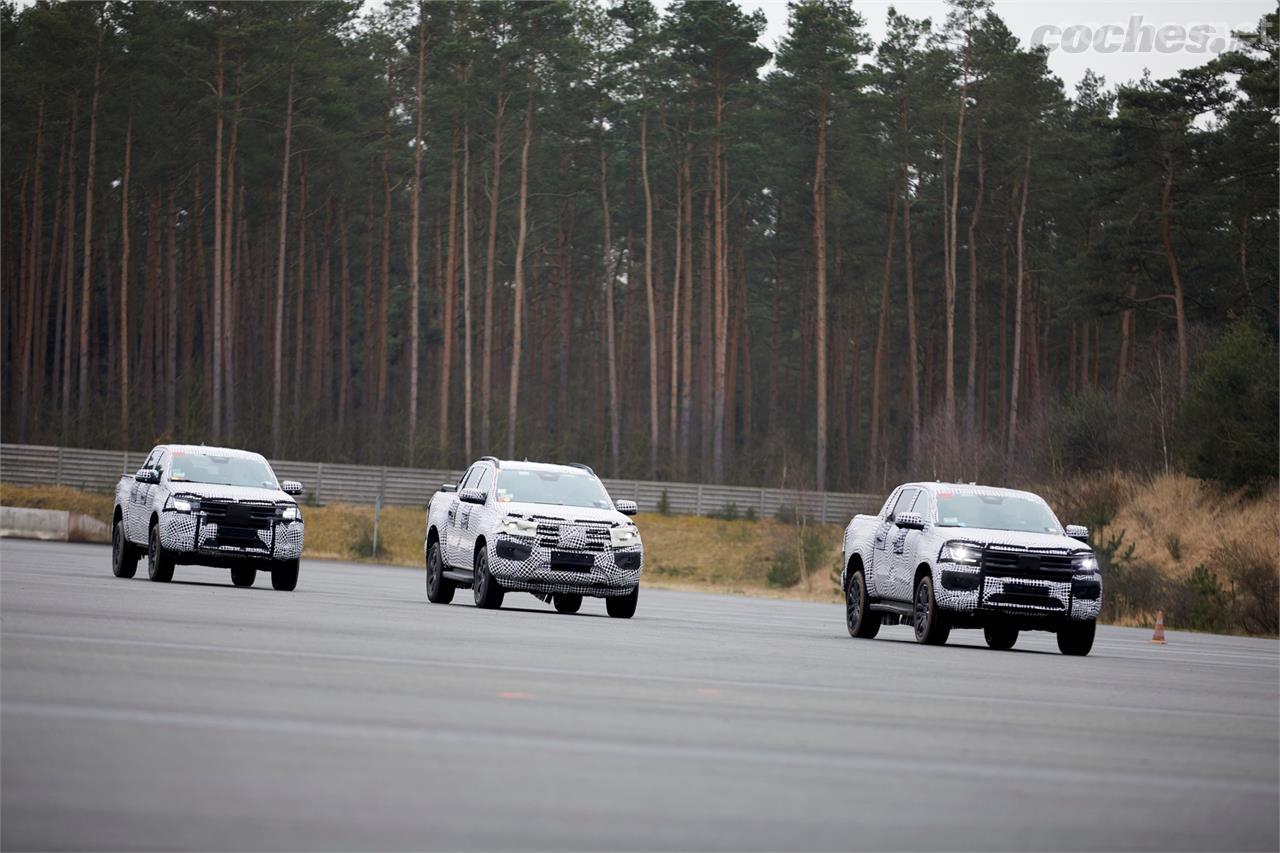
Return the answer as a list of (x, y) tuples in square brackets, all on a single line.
[(99, 470)]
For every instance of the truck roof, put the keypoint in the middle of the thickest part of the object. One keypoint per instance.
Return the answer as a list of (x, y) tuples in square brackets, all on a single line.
[(937, 488), (526, 465), (206, 450)]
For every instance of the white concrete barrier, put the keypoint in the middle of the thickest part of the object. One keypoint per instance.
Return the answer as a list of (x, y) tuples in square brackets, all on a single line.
[(52, 524)]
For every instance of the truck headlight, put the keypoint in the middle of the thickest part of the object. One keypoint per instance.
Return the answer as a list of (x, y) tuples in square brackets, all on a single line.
[(289, 513), (186, 504), (1088, 564), (625, 536), (518, 526), (965, 553)]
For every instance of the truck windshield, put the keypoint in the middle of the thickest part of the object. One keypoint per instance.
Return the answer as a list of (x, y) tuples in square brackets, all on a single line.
[(996, 512), (222, 471), (551, 487)]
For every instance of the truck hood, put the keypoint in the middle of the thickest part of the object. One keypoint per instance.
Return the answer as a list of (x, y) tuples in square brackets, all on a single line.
[(229, 493), (565, 513), (1011, 538)]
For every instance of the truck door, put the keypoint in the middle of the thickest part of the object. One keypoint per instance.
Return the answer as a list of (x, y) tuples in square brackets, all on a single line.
[(471, 517), (888, 544), (453, 521), (904, 547), (137, 510)]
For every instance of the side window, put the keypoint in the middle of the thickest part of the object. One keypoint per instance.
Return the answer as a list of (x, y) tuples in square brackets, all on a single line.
[(486, 480), (152, 459), (469, 481), (906, 501), (162, 463), (886, 511)]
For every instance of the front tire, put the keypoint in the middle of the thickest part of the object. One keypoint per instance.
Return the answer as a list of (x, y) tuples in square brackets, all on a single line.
[(243, 575), (284, 575), (930, 622), (159, 562), (124, 558), (862, 623), (567, 602), (487, 593), (439, 588), (1000, 637), (1076, 638), (623, 606)]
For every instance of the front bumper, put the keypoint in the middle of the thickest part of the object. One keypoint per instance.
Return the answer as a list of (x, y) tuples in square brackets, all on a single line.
[(970, 589), (522, 564), (190, 536)]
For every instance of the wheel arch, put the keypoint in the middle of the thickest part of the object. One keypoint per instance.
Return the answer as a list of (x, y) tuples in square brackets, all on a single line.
[(921, 570)]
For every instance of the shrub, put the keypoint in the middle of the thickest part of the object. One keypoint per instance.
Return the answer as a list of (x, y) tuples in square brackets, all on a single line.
[(1254, 583), (728, 512), (785, 569), (750, 514), (1229, 423), (1199, 603)]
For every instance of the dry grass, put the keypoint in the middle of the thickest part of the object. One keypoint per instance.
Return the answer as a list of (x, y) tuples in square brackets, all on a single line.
[(93, 504)]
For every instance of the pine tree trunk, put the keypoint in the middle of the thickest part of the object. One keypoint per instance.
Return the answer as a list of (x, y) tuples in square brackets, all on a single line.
[(277, 373), (972, 373), (124, 285), (686, 334), (449, 322), (31, 283), (1017, 308), (615, 414), (913, 372), (648, 293), (673, 390), (82, 403), (522, 233), (882, 342), (228, 296), (215, 325), (344, 328), (415, 224), (820, 283), (171, 319), (486, 357), (467, 383), (1166, 238)]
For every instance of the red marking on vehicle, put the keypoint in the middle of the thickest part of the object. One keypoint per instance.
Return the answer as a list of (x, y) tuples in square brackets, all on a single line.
[(514, 694), (708, 691), (945, 495)]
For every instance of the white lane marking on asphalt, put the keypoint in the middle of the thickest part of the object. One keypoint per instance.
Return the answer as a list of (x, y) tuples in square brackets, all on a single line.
[(667, 679), (1004, 770)]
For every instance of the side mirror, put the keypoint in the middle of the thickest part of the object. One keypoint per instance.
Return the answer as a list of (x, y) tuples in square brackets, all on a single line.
[(1078, 531), (291, 487), (146, 475), (910, 521), (472, 496), (626, 507), (448, 487)]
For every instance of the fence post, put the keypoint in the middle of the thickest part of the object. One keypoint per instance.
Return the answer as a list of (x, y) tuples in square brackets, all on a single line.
[(319, 481), (57, 477), (377, 511), (697, 503), (762, 501), (382, 484)]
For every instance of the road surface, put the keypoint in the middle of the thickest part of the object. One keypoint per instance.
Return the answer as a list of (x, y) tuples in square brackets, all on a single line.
[(353, 715)]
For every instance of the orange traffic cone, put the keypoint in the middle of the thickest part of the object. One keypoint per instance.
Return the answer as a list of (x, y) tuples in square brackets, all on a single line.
[(1158, 636)]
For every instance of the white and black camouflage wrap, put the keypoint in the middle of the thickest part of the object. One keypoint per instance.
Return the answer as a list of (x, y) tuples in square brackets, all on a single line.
[(890, 555), (523, 563), (191, 535)]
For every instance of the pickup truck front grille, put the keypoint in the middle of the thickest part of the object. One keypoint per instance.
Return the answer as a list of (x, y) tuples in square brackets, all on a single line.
[(578, 535), (1036, 565), (244, 515)]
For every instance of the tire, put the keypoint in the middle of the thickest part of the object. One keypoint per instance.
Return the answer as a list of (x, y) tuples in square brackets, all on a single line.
[(1076, 638), (439, 588), (567, 602), (861, 622), (159, 561), (244, 575), (623, 606), (930, 622), (1000, 637), (284, 575), (488, 595), (124, 557)]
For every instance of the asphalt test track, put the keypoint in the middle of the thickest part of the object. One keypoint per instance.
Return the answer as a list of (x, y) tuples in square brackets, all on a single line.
[(352, 714)]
